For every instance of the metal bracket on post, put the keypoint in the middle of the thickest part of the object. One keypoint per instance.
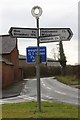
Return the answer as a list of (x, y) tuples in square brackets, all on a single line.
[(36, 12)]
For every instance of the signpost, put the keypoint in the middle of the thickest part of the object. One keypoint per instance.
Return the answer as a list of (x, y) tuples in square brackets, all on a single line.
[(31, 54), (49, 39), (46, 35), (64, 33), (23, 32)]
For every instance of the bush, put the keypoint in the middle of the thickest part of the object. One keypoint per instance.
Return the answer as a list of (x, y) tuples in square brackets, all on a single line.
[(44, 71), (73, 71), (30, 71)]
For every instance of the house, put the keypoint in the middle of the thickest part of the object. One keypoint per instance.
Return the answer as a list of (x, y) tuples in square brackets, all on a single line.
[(10, 62)]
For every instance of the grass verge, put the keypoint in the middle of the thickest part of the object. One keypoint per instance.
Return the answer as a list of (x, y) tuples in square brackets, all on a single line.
[(69, 80), (30, 110)]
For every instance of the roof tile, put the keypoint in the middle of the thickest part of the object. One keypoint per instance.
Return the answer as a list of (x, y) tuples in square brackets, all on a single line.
[(8, 44)]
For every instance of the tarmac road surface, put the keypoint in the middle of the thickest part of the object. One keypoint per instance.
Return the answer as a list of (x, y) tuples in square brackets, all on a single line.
[(51, 90)]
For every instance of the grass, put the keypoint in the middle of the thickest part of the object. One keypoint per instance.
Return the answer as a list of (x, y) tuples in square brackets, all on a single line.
[(69, 80), (30, 110)]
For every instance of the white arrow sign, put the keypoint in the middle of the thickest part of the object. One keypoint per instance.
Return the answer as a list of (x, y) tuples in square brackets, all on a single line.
[(64, 33), (49, 39), (23, 32)]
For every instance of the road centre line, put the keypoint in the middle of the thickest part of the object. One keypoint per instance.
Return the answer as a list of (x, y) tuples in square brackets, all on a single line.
[(49, 88), (44, 84), (60, 92), (30, 98), (49, 97)]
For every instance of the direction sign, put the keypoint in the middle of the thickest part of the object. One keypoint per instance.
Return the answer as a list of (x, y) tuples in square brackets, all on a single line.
[(23, 32), (31, 54), (64, 33), (49, 39)]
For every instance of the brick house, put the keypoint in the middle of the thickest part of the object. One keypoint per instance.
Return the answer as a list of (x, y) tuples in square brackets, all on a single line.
[(10, 62)]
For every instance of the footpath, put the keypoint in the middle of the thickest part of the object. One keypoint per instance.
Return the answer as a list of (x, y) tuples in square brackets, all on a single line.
[(13, 90)]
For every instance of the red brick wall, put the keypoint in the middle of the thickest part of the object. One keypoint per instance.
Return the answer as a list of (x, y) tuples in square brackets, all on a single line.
[(15, 61), (7, 56), (20, 75), (13, 57), (11, 73), (7, 75), (0, 75)]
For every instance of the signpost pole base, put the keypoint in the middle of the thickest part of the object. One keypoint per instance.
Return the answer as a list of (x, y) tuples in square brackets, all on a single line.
[(38, 88), (38, 69)]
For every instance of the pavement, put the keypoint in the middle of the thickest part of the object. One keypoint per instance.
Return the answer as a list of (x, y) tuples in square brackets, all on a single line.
[(76, 86), (13, 90)]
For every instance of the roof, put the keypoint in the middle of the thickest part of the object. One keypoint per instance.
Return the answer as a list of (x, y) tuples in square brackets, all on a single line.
[(23, 57), (51, 60), (3, 60), (8, 44)]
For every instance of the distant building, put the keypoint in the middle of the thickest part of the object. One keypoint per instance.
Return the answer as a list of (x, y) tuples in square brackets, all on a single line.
[(10, 61), (50, 62)]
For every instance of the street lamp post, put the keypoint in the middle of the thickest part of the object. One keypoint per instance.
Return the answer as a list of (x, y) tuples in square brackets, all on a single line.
[(36, 12)]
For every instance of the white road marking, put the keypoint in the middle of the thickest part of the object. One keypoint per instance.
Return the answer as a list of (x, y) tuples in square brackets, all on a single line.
[(42, 81), (60, 92), (44, 85), (30, 98), (49, 88), (0, 101), (49, 97)]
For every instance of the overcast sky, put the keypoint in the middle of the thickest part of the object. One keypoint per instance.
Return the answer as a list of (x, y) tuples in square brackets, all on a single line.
[(56, 13)]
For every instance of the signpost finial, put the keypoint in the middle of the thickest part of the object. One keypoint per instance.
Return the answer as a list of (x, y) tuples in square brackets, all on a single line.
[(36, 11)]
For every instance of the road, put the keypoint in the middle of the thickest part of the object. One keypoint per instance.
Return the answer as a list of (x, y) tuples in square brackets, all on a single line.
[(51, 90)]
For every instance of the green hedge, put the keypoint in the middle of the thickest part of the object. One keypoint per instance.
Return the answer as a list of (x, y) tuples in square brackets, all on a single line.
[(44, 71)]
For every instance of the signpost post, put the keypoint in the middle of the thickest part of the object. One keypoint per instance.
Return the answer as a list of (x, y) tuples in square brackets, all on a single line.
[(36, 12)]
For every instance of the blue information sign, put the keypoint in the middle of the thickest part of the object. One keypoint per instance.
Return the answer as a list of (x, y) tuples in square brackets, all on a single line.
[(31, 54)]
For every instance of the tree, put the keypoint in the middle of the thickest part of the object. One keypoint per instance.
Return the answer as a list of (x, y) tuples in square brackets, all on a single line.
[(62, 57), (54, 53)]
